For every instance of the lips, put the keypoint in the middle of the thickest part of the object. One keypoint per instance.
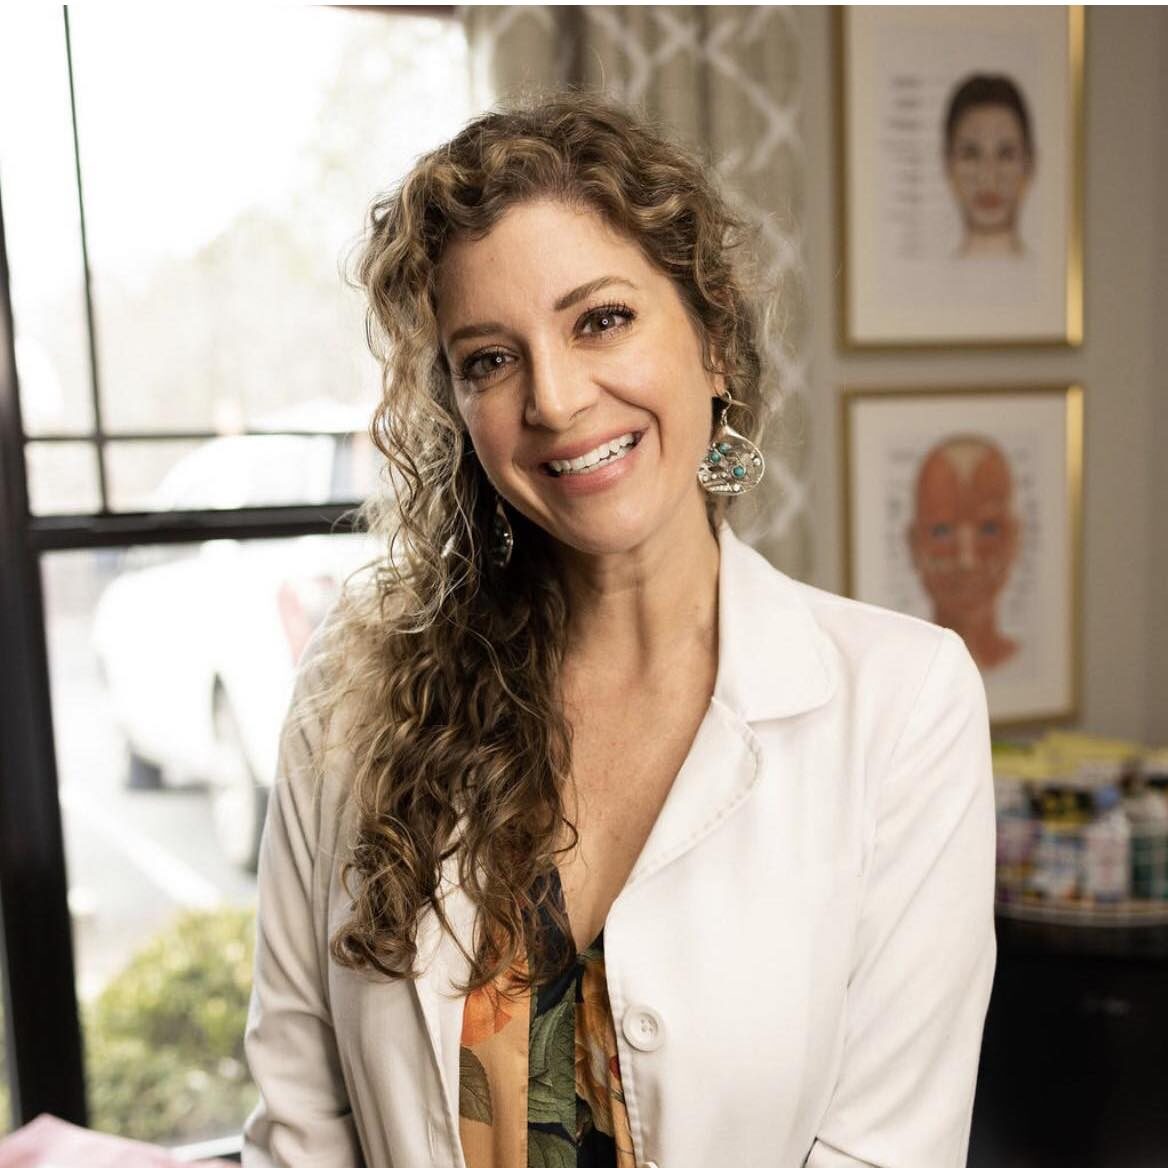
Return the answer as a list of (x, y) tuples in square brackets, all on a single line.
[(591, 455)]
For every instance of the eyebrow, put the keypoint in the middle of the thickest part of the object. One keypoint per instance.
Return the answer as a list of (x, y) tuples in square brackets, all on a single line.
[(586, 290), (566, 301)]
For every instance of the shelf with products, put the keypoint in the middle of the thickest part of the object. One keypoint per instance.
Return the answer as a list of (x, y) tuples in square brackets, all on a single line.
[(1082, 832), (1072, 1052)]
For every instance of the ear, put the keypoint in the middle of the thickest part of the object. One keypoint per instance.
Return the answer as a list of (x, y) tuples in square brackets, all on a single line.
[(715, 362)]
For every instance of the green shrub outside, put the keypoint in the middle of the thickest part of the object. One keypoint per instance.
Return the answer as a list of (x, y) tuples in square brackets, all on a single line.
[(164, 1040)]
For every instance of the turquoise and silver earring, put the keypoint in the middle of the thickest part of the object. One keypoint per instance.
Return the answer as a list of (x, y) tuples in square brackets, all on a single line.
[(733, 464), (502, 537)]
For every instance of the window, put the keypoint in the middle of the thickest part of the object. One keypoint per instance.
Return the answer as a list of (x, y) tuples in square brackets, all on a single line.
[(225, 177), (211, 172), (171, 669)]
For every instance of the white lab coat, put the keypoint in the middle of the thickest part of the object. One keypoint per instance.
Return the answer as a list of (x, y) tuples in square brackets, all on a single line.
[(799, 965)]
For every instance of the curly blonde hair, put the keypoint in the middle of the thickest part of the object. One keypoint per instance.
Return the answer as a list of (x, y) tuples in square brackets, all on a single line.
[(450, 665)]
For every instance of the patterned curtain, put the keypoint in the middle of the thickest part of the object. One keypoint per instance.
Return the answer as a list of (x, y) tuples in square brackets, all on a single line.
[(726, 81)]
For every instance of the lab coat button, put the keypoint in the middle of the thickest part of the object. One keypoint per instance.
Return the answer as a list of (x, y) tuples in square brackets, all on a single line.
[(644, 1030)]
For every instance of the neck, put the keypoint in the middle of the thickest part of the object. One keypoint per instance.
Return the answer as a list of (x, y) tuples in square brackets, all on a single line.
[(636, 612), (979, 631), (992, 243)]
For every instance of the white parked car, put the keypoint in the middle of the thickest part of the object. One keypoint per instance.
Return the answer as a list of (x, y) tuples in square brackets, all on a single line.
[(199, 644)]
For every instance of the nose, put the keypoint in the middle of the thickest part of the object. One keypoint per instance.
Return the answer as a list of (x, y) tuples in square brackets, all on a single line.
[(966, 551), (559, 388)]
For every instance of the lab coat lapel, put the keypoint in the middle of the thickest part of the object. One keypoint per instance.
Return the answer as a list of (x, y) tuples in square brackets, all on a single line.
[(443, 966), (718, 773), (774, 661)]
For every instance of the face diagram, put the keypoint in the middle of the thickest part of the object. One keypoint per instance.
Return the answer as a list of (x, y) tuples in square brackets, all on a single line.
[(964, 539), (989, 169), (579, 376)]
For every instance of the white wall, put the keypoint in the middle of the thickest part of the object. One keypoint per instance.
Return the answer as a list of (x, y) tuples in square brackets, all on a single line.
[(1123, 363)]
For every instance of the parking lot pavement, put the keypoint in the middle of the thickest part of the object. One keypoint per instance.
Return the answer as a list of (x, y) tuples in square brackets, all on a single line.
[(136, 859)]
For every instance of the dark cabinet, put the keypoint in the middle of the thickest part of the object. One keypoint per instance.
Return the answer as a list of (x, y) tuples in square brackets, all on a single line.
[(1074, 1067)]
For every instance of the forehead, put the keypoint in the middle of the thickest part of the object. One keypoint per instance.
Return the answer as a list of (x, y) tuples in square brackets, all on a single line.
[(995, 119), (964, 473), (535, 252)]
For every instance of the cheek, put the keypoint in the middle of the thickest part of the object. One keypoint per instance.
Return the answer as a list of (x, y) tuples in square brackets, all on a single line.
[(676, 395), (697, 423), (491, 433), (964, 185), (1014, 177)]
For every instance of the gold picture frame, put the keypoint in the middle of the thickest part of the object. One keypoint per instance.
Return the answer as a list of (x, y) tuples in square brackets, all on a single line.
[(909, 275), (963, 506)]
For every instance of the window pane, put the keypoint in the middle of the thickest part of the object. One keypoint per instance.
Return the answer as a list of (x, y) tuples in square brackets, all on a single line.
[(171, 671), (260, 470), (62, 478), (215, 250), (42, 224)]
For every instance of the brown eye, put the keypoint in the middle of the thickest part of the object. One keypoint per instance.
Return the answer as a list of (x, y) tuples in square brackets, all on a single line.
[(485, 365), (607, 319)]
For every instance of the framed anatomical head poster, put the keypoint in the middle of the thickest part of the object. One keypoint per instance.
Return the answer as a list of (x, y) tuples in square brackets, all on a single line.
[(961, 175), (963, 507)]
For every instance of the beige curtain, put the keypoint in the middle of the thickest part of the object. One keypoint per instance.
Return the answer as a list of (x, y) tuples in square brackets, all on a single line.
[(726, 80)]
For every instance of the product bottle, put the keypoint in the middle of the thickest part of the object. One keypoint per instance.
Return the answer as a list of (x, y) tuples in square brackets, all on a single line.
[(1156, 772), (1107, 851), (1045, 805), (1147, 812), (1016, 833), (1076, 816), (1055, 872)]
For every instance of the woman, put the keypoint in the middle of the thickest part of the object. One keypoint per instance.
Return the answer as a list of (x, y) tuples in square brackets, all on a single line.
[(596, 839), (989, 162)]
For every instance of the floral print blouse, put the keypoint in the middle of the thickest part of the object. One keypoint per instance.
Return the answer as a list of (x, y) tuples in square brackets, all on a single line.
[(539, 1077)]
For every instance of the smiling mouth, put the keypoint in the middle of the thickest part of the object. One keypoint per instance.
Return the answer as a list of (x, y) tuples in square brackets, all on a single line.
[(604, 454)]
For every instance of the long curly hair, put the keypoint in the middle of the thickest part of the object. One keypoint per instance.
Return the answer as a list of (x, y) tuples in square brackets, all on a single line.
[(448, 666)]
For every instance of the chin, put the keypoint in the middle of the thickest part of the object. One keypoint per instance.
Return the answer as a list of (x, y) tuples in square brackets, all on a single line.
[(610, 541), (1000, 223), (614, 530)]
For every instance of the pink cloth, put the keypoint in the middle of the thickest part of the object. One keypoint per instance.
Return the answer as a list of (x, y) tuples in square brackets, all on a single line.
[(48, 1142)]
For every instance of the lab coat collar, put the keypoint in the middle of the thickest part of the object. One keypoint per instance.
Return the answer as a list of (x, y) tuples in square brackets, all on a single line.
[(773, 658)]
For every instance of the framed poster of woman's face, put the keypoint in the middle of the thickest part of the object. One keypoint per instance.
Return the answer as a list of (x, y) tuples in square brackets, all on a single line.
[(961, 175), (962, 507)]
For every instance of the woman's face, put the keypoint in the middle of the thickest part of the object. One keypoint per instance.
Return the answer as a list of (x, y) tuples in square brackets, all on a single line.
[(964, 535), (989, 167), (579, 376)]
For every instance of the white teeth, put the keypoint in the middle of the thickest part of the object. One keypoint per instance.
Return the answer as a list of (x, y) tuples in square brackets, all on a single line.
[(605, 452)]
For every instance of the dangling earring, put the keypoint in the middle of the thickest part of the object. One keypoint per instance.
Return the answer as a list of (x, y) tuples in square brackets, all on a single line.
[(733, 464), (502, 537)]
